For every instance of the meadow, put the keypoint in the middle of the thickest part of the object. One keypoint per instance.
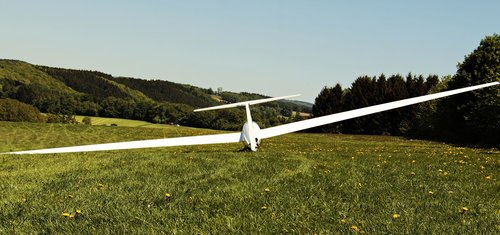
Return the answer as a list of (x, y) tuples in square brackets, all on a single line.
[(296, 183)]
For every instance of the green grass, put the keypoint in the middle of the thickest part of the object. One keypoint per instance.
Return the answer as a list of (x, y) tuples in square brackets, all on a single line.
[(106, 121), (117, 121), (317, 184)]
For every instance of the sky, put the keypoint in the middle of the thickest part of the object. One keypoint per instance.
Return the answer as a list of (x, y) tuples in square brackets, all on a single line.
[(274, 48)]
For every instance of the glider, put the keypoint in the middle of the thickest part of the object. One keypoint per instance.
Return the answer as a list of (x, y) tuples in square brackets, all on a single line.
[(251, 134)]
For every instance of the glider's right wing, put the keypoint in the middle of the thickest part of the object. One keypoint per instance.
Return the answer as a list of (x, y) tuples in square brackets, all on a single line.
[(332, 118), (180, 141)]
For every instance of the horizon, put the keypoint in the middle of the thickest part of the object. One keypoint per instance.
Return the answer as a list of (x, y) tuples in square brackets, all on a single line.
[(291, 47)]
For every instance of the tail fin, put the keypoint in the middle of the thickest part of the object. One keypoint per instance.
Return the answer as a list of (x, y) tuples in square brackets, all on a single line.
[(250, 102)]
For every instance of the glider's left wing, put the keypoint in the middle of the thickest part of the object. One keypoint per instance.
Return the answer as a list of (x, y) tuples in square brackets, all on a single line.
[(332, 118), (180, 141)]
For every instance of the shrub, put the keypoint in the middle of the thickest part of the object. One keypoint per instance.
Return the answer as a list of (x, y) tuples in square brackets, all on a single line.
[(14, 110), (87, 121)]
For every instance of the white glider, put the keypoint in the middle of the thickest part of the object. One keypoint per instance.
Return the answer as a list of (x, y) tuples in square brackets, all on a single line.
[(251, 134)]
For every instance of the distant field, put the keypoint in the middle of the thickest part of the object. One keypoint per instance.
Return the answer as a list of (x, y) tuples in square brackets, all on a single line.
[(105, 121), (297, 183)]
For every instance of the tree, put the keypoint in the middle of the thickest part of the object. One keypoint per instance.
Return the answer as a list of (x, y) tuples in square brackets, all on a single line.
[(87, 121), (474, 116), (361, 94), (328, 101)]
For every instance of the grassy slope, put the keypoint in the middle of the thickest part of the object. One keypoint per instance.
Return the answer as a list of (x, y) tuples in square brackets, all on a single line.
[(27, 73), (105, 121), (118, 121), (317, 183)]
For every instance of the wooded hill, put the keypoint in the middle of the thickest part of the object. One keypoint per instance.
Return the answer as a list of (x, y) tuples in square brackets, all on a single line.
[(93, 93)]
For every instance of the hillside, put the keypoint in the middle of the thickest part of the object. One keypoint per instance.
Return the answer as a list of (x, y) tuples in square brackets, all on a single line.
[(94, 93), (165, 91)]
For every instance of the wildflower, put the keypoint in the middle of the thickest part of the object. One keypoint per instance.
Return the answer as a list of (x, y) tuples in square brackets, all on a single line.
[(71, 216), (431, 192), (66, 214), (463, 210), (78, 211), (488, 177), (440, 171), (396, 216), (167, 195), (355, 228), (267, 190)]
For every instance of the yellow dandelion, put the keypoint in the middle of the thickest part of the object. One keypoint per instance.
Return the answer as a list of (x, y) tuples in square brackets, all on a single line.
[(167, 195), (78, 211), (440, 170), (396, 216), (355, 228), (463, 210), (488, 177), (267, 190), (66, 214)]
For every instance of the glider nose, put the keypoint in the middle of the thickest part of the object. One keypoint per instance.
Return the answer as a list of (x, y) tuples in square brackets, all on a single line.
[(251, 136)]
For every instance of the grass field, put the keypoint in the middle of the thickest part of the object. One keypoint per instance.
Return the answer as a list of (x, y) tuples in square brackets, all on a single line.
[(105, 121), (297, 183)]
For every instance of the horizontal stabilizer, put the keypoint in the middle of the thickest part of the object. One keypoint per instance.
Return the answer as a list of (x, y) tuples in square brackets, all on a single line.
[(250, 102)]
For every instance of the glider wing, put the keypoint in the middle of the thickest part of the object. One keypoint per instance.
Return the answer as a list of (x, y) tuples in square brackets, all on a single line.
[(180, 141), (332, 118)]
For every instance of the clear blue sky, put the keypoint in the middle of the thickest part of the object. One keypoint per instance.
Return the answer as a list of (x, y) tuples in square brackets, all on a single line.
[(269, 47)]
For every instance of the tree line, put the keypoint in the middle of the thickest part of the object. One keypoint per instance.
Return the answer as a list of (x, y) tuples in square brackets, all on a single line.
[(367, 91), (472, 117)]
